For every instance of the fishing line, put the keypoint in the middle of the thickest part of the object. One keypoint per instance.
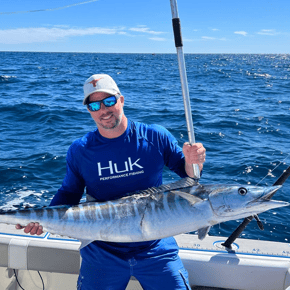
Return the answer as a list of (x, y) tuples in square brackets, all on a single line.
[(48, 9), (19, 282), (270, 171), (41, 280)]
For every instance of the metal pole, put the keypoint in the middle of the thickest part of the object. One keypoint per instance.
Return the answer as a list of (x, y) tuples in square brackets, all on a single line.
[(183, 78)]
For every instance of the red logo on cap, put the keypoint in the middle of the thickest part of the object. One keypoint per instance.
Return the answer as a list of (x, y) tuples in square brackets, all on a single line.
[(94, 82)]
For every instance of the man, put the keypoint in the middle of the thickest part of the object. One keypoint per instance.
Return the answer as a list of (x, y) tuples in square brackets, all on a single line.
[(123, 156)]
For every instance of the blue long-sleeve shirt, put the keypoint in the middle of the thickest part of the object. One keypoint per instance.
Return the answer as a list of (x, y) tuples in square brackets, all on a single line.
[(111, 168)]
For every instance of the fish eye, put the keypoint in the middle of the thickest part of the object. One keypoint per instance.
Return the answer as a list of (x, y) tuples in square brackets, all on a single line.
[(242, 191)]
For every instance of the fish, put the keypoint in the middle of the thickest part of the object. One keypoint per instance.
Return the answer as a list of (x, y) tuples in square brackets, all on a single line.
[(182, 206)]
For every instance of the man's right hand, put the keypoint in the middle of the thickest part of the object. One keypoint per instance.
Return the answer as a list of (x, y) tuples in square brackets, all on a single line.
[(32, 228)]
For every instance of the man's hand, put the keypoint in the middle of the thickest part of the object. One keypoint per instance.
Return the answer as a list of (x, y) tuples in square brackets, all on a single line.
[(194, 154), (32, 228)]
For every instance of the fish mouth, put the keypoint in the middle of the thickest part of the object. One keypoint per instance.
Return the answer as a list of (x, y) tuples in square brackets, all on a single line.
[(268, 193)]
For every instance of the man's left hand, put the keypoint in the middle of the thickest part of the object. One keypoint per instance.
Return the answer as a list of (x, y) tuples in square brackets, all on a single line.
[(194, 154)]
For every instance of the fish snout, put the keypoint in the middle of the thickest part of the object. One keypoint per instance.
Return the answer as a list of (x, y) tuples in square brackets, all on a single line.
[(270, 191), (266, 200)]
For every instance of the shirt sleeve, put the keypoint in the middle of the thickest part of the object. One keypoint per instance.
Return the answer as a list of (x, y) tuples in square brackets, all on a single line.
[(73, 184), (174, 157), (172, 152)]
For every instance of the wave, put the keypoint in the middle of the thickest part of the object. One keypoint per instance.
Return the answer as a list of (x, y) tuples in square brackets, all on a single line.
[(7, 78)]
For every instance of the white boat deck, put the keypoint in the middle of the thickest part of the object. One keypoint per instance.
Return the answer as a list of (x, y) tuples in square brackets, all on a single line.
[(252, 265)]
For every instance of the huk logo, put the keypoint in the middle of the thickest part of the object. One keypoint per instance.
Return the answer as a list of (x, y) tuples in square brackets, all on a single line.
[(113, 168), (94, 82)]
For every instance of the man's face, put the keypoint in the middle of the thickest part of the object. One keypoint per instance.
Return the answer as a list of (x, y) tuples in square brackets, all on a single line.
[(107, 117)]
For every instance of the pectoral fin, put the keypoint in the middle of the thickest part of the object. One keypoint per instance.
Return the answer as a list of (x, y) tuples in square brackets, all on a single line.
[(191, 198), (203, 232)]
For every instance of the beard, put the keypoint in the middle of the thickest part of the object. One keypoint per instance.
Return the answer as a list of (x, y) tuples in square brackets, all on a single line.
[(113, 123)]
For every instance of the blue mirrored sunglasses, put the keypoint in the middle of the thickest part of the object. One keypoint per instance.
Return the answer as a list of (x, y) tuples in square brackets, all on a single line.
[(108, 102)]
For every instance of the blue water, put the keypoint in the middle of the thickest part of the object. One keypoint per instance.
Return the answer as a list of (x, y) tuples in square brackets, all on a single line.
[(240, 105)]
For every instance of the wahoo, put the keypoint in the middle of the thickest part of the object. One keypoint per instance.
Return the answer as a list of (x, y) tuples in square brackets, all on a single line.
[(158, 212)]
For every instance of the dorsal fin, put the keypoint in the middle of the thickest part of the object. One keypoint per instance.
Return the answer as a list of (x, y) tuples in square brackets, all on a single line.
[(182, 183)]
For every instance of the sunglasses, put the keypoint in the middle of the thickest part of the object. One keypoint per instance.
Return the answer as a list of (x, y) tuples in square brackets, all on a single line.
[(108, 102)]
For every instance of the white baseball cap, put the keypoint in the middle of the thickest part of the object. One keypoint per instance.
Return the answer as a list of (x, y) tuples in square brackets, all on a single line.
[(100, 83)]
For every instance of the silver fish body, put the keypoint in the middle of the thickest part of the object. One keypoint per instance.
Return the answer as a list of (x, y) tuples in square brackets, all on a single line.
[(180, 207)]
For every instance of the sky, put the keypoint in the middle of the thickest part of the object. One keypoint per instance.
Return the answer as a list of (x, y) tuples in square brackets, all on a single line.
[(134, 26)]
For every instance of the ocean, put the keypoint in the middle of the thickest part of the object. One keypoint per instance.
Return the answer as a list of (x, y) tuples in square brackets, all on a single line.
[(240, 106)]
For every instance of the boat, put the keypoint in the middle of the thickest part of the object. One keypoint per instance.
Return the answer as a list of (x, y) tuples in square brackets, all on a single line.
[(53, 262)]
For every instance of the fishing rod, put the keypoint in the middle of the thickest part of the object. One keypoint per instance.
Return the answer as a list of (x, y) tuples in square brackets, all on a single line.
[(183, 78)]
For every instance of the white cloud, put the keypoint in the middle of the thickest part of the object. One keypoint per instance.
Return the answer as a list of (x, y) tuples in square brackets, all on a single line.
[(58, 32), (144, 29), (244, 33), (213, 38), (268, 32), (42, 34), (215, 29), (208, 38), (158, 38)]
